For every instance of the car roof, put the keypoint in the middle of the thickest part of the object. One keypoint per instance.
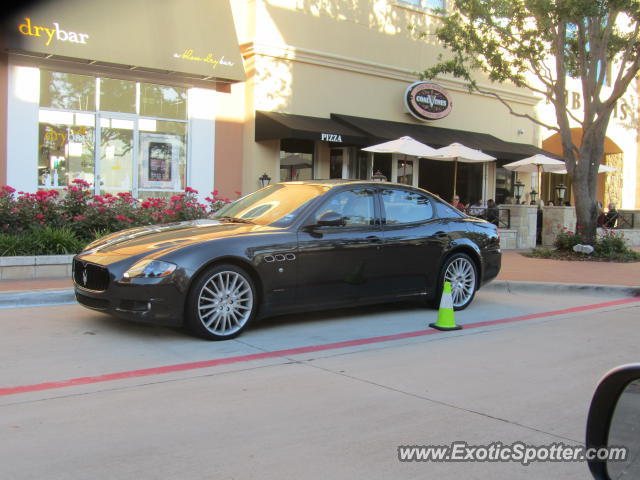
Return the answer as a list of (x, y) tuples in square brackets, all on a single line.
[(334, 182)]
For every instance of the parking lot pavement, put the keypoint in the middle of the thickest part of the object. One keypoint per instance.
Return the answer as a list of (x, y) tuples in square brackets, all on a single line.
[(332, 413), (62, 343)]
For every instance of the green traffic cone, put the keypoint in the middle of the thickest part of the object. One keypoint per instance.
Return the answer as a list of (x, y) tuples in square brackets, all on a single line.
[(446, 320)]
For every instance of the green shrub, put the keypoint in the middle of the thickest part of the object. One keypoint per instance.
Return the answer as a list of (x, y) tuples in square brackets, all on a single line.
[(12, 245), (54, 241), (567, 239), (43, 241), (610, 242)]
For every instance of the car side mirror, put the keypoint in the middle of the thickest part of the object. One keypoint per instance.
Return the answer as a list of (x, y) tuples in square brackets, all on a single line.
[(330, 219), (614, 424)]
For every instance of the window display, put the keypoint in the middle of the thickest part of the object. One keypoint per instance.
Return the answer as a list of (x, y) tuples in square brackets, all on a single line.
[(120, 151)]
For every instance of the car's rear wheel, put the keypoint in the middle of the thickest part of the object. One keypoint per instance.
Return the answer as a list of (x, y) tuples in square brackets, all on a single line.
[(221, 303), (460, 270)]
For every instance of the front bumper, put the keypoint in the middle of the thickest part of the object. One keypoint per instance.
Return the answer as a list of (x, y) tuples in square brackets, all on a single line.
[(159, 301)]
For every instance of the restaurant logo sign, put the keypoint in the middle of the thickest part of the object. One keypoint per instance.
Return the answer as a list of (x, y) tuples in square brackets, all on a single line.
[(427, 101)]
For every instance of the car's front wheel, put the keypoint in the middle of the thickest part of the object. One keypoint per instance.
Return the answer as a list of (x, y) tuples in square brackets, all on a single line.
[(459, 270), (221, 303)]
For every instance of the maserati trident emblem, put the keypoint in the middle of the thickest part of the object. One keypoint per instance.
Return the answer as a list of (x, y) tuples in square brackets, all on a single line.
[(84, 278)]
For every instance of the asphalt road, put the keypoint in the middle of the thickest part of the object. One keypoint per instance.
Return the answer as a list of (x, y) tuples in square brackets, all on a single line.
[(321, 395)]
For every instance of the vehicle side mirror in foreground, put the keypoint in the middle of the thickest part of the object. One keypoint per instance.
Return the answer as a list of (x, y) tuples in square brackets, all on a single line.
[(330, 219), (614, 422)]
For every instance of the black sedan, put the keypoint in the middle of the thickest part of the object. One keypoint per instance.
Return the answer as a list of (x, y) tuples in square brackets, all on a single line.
[(295, 246)]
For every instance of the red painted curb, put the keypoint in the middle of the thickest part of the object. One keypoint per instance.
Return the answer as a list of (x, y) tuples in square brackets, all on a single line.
[(291, 351)]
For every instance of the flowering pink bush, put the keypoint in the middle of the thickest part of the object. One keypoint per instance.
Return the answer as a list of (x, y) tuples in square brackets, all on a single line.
[(86, 214)]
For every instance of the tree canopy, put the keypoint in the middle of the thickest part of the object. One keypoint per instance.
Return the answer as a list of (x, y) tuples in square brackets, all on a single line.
[(537, 45)]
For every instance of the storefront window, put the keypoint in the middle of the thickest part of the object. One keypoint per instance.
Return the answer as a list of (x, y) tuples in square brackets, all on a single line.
[(382, 164), (358, 165), (66, 148), (115, 149), (296, 160), (116, 155), (163, 102), (163, 158), (336, 161), (117, 96), (504, 185), (67, 91), (405, 172)]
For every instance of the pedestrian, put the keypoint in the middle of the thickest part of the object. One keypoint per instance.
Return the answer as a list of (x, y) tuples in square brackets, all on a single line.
[(477, 209), (493, 214), (611, 218), (457, 203)]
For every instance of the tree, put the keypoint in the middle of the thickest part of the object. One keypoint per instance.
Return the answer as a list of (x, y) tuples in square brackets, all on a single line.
[(536, 44)]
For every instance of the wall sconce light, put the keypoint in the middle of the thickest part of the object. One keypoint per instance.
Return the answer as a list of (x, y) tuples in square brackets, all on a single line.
[(561, 190), (264, 180), (534, 195), (518, 187)]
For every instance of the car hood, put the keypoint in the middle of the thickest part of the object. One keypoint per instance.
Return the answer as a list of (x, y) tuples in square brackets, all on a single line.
[(160, 239)]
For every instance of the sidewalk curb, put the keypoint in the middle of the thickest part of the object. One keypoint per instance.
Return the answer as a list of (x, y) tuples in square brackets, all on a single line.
[(512, 286), (43, 298), (38, 298)]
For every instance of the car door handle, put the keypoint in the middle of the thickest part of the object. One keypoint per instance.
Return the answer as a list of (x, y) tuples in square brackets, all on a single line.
[(440, 234), (374, 239)]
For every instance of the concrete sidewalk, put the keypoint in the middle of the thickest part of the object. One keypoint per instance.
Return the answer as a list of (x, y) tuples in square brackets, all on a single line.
[(516, 268)]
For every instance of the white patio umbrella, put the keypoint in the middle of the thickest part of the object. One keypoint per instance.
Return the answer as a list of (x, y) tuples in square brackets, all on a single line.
[(407, 146), (601, 169), (402, 145), (456, 152), (536, 164)]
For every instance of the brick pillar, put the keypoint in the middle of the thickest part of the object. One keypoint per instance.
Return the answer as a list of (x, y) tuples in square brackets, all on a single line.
[(523, 221), (553, 219)]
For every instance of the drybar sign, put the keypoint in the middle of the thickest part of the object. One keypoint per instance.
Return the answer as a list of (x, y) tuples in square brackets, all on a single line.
[(427, 101), (189, 37), (52, 33)]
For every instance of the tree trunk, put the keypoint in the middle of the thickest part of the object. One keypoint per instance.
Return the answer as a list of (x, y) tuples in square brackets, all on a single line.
[(585, 180)]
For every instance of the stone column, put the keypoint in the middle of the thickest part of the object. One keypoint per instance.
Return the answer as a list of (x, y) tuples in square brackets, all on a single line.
[(553, 219), (523, 221)]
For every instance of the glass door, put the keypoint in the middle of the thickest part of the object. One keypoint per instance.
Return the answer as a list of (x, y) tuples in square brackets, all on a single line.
[(339, 163), (116, 154), (405, 172)]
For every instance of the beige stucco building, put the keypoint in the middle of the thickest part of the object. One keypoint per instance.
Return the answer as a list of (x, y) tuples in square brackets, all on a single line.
[(235, 89)]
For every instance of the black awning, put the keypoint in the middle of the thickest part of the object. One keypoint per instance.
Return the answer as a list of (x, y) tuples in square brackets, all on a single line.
[(272, 125), (382, 130)]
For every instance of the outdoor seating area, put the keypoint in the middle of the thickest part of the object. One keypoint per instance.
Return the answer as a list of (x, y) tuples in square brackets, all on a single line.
[(528, 226)]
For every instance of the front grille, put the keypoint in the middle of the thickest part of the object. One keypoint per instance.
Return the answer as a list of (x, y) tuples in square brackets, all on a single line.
[(97, 303), (90, 276)]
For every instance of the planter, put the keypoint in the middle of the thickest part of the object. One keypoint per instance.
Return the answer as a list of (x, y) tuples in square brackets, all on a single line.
[(30, 267)]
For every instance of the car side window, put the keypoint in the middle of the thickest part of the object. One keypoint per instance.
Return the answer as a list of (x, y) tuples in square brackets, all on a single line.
[(446, 211), (356, 206), (404, 206)]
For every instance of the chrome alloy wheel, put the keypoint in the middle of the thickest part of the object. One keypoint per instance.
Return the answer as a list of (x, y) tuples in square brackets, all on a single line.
[(225, 303), (462, 276)]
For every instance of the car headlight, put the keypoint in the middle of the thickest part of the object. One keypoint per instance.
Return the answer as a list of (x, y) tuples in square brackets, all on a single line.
[(150, 269)]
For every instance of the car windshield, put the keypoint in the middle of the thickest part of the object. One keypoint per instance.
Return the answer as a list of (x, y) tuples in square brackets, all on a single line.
[(276, 205)]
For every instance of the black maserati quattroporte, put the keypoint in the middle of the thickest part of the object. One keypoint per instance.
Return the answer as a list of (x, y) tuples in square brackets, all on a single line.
[(295, 246)]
